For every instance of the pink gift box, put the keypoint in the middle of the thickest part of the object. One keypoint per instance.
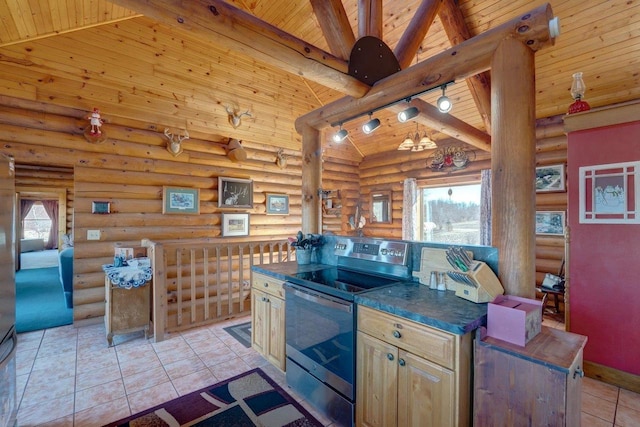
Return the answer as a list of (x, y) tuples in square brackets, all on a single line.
[(514, 319)]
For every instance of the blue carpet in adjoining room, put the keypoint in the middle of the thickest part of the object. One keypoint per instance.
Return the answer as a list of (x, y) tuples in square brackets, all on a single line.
[(40, 302)]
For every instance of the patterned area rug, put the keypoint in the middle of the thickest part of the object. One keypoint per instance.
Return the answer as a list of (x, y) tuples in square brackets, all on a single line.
[(241, 332), (250, 399)]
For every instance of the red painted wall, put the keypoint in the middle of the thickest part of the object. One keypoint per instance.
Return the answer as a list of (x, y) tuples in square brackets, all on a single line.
[(604, 258)]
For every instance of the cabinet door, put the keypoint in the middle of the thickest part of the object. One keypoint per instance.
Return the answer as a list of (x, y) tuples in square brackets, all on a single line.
[(377, 382), (276, 344), (425, 392), (259, 321)]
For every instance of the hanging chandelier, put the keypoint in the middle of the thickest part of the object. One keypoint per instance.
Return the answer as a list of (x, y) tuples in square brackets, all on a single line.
[(416, 142), (451, 157)]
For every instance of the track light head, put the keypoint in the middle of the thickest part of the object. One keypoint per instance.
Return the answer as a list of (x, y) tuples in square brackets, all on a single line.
[(444, 103), (408, 114), (340, 135), (371, 125)]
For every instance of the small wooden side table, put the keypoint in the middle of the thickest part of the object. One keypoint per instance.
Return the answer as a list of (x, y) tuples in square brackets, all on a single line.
[(126, 310), (539, 384)]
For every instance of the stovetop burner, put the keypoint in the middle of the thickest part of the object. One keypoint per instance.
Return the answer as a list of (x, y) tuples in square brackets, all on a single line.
[(340, 282)]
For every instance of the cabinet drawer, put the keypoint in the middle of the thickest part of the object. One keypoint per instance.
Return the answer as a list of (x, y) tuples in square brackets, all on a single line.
[(430, 343), (268, 284)]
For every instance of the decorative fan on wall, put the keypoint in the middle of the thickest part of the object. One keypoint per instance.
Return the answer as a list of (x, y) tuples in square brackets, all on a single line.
[(416, 142)]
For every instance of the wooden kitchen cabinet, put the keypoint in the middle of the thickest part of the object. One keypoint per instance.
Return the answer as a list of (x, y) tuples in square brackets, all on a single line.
[(409, 374), (539, 384), (126, 310), (267, 318)]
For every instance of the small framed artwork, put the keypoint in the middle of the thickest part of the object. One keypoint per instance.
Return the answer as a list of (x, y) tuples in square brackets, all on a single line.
[(101, 207), (550, 178), (610, 193), (277, 204), (177, 200), (550, 223), (235, 224), (235, 193)]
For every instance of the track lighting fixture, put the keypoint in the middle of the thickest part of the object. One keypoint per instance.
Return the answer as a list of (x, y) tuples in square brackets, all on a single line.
[(444, 103), (408, 114), (340, 135), (371, 125)]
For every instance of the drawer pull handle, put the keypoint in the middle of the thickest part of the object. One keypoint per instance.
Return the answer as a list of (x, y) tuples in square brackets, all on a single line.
[(579, 372), (389, 356), (266, 285), (397, 334), (264, 299), (401, 362)]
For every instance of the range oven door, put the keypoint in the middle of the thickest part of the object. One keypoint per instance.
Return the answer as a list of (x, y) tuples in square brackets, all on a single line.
[(320, 336)]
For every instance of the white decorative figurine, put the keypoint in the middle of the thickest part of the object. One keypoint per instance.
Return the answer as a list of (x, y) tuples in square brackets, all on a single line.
[(96, 122)]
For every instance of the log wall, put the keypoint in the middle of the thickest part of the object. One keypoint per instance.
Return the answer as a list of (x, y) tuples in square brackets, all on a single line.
[(388, 171), (129, 170)]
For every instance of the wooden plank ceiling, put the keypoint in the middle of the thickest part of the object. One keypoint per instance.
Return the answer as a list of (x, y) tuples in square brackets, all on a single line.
[(129, 56)]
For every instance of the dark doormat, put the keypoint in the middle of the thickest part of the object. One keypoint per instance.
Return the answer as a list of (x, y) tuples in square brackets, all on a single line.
[(241, 332)]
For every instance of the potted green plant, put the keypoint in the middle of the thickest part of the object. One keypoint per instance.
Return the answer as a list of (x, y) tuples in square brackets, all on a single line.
[(305, 245)]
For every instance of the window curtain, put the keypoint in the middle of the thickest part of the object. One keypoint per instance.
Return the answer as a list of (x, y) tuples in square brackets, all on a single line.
[(25, 207), (51, 208), (485, 207), (410, 209)]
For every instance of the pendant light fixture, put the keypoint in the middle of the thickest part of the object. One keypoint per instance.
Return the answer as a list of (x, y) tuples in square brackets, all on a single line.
[(417, 143), (444, 103)]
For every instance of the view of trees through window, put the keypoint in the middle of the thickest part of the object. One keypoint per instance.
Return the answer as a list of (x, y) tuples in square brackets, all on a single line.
[(37, 223), (451, 214)]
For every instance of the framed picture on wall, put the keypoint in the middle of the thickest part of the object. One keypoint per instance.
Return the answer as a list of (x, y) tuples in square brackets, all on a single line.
[(550, 178), (609, 194), (235, 193), (180, 200), (277, 204), (235, 224), (550, 223)]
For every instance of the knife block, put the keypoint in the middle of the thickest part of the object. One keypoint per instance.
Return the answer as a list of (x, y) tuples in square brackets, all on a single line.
[(489, 287)]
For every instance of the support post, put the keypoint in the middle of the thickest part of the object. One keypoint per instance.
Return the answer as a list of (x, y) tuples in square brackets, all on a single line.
[(513, 165), (311, 179)]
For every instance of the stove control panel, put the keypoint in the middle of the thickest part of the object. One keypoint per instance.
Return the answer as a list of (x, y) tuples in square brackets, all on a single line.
[(385, 251)]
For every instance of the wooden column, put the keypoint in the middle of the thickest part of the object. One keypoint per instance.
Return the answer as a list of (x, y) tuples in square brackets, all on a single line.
[(513, 165), (311, 179)]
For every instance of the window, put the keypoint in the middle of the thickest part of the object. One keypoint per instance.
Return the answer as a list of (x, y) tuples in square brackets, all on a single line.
[(37, 224), (450, 214)]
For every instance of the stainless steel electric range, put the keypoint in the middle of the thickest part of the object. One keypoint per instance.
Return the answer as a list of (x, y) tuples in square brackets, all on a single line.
[(321, 321)]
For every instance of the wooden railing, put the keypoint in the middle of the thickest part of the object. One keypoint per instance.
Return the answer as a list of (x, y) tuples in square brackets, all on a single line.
[(199, 282)]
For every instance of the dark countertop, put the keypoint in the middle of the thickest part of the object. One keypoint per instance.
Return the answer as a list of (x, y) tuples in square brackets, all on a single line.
[(411, 300), (440, 309)]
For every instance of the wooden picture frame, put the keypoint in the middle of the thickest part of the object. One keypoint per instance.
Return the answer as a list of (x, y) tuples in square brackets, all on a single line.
[(550, 178), (235, 193), (277, 204), (176, 200), (102, 208), (609, 193), (550, 223), (235, 224)]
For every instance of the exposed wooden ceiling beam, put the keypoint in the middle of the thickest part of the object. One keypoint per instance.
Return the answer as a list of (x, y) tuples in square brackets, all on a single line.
[(232, 28), (470, 57), (370, 18), (335, 26), (479, 85), (416, 31)]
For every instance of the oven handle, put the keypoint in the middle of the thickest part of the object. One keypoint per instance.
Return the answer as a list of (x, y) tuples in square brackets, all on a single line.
[(319, 299)]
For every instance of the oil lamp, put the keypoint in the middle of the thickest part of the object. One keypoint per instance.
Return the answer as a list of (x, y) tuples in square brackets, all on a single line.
[(577, 93)]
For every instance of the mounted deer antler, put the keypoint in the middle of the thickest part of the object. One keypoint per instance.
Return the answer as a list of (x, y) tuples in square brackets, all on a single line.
[(175, 144), (235, 117)]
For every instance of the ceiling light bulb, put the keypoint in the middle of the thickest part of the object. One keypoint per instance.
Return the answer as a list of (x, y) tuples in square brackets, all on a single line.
[(340, 135), (408, 114), (370, 126), (444, 103)]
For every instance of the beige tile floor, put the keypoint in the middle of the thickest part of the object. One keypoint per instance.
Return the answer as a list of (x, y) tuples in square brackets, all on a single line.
[(68, 376)]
